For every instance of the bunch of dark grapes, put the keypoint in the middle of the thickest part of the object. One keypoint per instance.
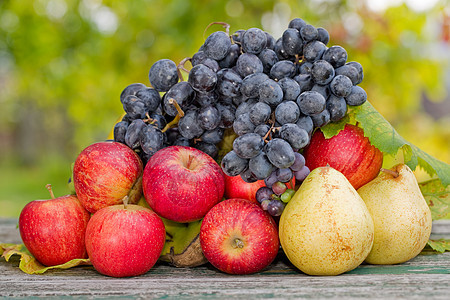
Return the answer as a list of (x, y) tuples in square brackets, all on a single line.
[(272, 93), (289, 87)]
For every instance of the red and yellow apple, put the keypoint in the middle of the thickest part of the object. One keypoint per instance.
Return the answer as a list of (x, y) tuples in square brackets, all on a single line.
[(104, 173), (349, 152)]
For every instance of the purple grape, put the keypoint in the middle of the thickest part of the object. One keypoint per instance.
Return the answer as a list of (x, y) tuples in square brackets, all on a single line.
[(275, 208), (302, 173), (263, 193), (264, 204), (269, 181), (279, 188), (299, 162), (284, 175)]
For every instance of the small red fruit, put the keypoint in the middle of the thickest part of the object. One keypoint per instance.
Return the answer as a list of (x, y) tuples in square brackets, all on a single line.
[(236, 187)]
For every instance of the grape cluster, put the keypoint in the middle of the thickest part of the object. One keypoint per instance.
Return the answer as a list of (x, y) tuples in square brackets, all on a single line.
[(289, 87), (271, 93), (188, 113)]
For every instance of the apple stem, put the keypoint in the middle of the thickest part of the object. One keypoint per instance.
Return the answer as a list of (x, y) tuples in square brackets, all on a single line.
[(190, 159), (50, 190), (177, 106), (125, 201), (237, 243), (393, 173)]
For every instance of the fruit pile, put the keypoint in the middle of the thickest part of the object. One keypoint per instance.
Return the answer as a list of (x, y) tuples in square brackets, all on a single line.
[(272, 93), (157, 191)]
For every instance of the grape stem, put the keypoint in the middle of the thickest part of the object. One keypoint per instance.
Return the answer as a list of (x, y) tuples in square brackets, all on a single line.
[(181, 67), (225, 25), (172, 123), (177, 106), (271, 129), (149, 120)]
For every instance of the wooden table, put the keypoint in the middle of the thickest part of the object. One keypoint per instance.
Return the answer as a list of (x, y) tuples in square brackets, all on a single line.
[(425, 277)]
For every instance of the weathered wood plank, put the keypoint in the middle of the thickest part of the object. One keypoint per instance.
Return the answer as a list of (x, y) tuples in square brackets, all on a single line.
[(426, 276)]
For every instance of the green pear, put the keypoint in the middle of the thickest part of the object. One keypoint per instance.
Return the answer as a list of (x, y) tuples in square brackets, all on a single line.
[(401, 216), (326, 229)]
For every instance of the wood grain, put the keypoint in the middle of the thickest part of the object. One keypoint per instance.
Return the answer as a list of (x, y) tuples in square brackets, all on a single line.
[(426, 276)]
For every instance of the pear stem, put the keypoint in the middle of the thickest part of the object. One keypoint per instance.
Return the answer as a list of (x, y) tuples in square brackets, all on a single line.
[(125, 201), (393, 173), (50, 190), (237, 243)]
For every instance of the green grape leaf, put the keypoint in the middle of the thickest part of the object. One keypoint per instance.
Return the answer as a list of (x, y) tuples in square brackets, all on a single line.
[(29, 264), (332, 129), (437, 197), (383, 136), (440, 245)]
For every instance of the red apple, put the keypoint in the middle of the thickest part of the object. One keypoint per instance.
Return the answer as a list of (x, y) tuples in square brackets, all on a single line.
[(236, 187), (104, 173), (349, 152), (238, 237), (124, 241), (53, 230), (182, 183)]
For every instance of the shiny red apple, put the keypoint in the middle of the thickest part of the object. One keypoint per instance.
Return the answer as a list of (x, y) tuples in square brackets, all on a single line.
[(238, 237), (53, 230), (349, 152), (104, 173), (236, 187), (124, 241), (182, 183)]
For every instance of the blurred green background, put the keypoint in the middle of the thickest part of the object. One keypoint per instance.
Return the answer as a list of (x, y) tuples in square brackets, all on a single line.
[(63, 64)]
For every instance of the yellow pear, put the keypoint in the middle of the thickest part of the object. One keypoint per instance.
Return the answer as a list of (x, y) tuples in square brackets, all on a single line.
[(401, 216), (326, 229)]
